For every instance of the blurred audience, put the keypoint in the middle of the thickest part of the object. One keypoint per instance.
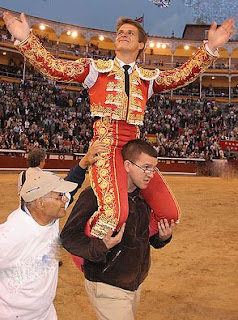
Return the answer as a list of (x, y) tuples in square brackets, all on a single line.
[(38, 114)]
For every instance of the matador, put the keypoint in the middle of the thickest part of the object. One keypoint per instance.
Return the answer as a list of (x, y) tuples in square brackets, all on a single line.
[(118, 97)]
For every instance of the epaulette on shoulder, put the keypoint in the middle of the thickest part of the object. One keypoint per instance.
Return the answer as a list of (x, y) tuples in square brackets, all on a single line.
[(147, 74), (103, 65)]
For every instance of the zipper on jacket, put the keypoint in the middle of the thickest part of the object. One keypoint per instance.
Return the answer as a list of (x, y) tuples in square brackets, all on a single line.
[(110, 264)]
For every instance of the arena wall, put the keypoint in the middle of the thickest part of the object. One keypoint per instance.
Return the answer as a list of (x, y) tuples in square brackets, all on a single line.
[(16, 161)]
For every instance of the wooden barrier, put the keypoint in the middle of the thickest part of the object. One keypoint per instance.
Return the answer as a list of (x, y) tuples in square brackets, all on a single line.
[(16, 160)]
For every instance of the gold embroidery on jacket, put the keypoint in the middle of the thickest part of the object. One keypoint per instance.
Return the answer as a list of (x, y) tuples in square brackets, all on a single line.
[(136, 92), (147, 74), (48, 65), (115, 86), (117, 97), (101, 111), (114, 99), (201, 60), (103, 65), (135, 104), (116, 71), (136, 119), (135, 78), (136, 98)]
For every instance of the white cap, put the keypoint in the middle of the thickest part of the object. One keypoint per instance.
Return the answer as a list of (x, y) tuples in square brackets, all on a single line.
[(41, 183)]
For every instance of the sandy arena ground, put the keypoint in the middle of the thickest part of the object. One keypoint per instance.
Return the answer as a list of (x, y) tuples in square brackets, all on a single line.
[(193, 278)]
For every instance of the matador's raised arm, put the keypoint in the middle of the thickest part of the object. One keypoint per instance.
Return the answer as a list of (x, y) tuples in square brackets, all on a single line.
[(187, 73), (51, 67)]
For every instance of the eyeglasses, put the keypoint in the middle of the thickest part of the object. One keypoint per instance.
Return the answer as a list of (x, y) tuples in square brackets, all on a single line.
[(147, 171), (60, 196)]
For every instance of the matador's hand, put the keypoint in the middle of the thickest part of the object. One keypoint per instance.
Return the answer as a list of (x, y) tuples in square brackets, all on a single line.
[(19, 29), (218, 37)]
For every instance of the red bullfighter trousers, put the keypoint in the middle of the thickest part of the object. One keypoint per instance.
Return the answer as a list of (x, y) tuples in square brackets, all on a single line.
[(109, 182)]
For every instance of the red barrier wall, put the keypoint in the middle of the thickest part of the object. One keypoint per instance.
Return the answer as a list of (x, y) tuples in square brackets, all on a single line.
[(20, 162)]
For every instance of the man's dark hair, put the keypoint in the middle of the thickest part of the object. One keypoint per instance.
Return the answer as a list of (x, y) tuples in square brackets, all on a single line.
[(141, 31), (35, 157), (133, 149)]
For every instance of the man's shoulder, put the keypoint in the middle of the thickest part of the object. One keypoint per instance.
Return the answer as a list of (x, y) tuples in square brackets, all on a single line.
[(87, 192), (87, 198), (32, 170), (103, 66), (15, 225), (86, 203), (147, 74), (15, 215)]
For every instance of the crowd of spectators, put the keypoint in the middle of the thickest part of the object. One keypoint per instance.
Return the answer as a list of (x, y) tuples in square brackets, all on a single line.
[(44, 115), (189, 128), (5, 35), (210, 92), (34, 114)]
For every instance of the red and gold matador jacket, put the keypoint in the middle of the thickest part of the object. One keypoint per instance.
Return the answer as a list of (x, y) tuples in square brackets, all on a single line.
[(107, 93)]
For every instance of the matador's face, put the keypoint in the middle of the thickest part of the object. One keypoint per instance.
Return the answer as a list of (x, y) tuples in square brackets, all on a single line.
[(127, 39)]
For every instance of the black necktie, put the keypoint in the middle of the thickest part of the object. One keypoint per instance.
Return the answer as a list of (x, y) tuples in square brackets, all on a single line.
[(126, 67)]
